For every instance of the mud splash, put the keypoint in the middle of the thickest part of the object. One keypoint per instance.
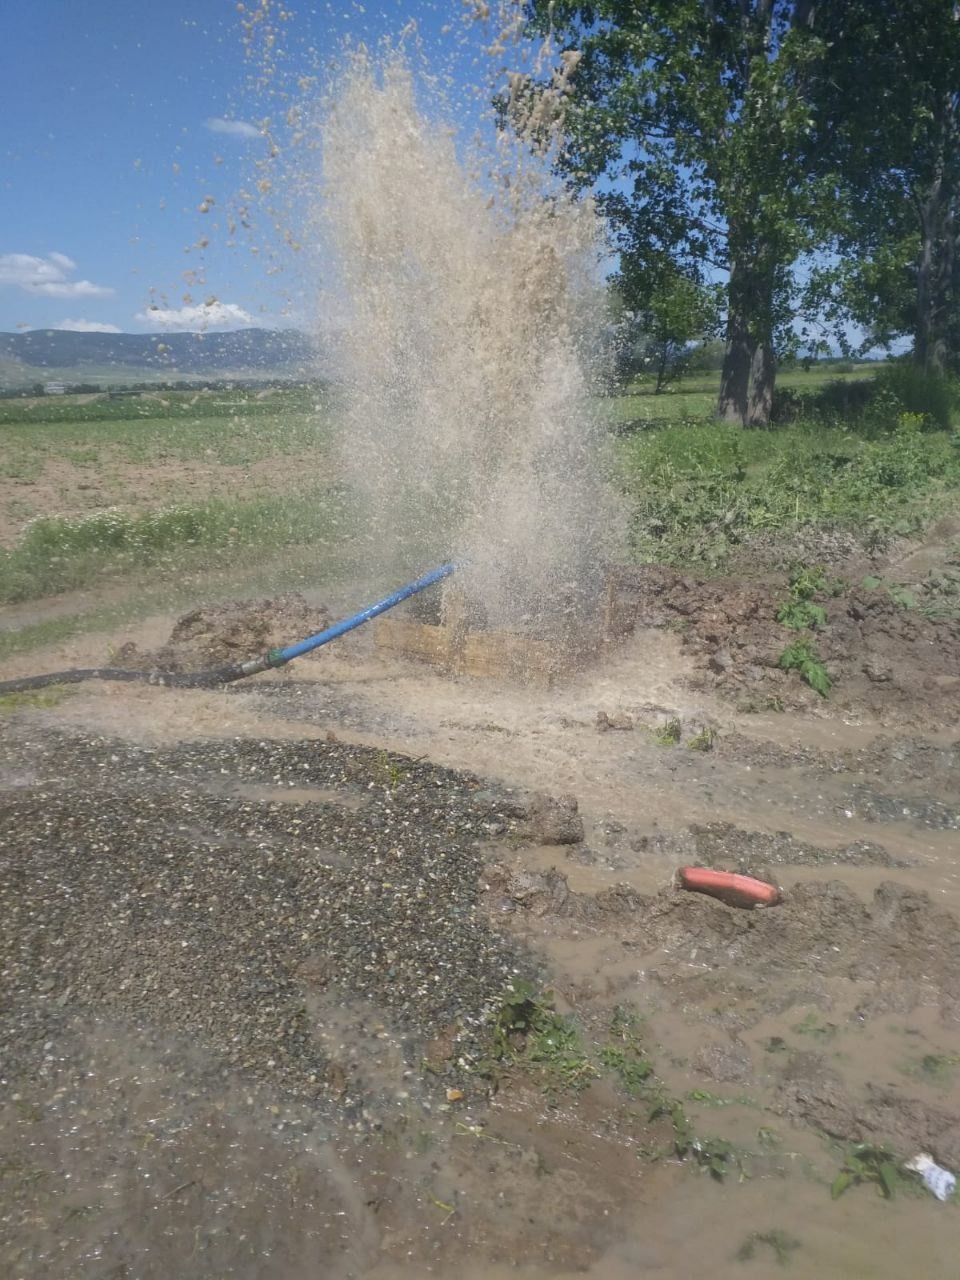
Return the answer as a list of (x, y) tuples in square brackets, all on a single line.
[(471, 295)]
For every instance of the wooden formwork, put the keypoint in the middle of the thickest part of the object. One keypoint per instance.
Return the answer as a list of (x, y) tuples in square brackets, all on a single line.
[(458, 649)]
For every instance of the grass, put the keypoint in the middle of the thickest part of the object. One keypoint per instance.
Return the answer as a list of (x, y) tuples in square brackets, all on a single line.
[(695, 397), (60, 553), (41, 699), (180, 588), (232, 428), (699, 489)]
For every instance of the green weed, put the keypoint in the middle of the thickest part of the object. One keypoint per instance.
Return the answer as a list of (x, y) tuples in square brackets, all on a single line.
[(626, 1059), (62, 553), (783, 1245), (802, 656), (669, 734), (528, 1030), (802, 615), (900, 595), (699, 489), (866, 1163), (29, 699), (812, 1026), (938, 1069)]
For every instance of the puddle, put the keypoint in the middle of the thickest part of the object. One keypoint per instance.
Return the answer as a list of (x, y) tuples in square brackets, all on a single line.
[(292, 794)]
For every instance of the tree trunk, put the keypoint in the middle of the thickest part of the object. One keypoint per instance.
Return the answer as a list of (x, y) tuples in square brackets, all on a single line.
[(733, 402), (936, 268), (928, 350), (763, 375), (953, 326), (661, 368)]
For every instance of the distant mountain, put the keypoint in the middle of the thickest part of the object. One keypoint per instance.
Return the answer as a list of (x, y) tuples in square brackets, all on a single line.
[(269, 352)]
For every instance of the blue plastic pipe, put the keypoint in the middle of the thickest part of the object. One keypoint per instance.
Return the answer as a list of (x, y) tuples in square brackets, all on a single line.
[(237, 670), (279, 657)]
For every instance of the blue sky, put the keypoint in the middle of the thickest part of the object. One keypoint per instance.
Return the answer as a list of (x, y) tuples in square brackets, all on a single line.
[(122, 118)]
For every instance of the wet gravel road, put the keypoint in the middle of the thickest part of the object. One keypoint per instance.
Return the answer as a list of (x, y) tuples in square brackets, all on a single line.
[(149, 887)]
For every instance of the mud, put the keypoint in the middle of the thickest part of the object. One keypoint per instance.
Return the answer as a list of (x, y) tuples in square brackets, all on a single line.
[(885, 660), (256, 941), (231, 632)]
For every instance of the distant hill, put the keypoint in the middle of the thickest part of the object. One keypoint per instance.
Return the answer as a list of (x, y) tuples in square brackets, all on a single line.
[(39, 354)]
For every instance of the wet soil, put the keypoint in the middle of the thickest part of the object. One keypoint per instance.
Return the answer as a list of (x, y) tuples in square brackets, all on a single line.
[(257, 942), (885, 658)]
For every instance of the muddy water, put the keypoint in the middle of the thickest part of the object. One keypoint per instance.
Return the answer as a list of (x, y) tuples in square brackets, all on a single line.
[(131, 1153)]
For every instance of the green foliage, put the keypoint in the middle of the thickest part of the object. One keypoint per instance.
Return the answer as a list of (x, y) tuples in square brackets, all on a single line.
[(782, 1244), (529, 1030), (867, 1163), (698, 117), (61, 553), (702, 741), (802, 656), (809, 581), (669, 310), (888, 127), (714, 1155), (52, 696), (801, 615), (938, 1069), (931, 398), (899, 594), (699, 490), (669, 734)]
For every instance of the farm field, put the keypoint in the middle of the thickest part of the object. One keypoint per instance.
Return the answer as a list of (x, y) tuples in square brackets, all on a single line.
[(732, 1084)]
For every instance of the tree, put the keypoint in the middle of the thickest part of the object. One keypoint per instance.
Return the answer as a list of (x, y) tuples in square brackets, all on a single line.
[(889, 124), (691, 118), (671, 310)]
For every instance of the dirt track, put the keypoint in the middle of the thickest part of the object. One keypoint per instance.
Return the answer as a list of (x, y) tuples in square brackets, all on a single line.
[(222, 895)]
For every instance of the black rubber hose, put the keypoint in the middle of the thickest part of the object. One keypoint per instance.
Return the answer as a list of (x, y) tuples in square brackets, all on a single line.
[(168, 679)]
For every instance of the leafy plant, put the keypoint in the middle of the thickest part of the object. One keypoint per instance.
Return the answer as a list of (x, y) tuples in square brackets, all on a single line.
[(42, 698), (781, 1244), (899, 594), (528, 1029), (806, 582), (812, 1026), (626, 1058), (669, 734), (936, 1068), (702, 741), (802, 656), (715, 1155), (867, 1163), (802, 615)]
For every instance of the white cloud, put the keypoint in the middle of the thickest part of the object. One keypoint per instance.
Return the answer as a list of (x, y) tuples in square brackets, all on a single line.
[(47, 276), (87, 326), (69, 289), (234, 128), (211, 315)]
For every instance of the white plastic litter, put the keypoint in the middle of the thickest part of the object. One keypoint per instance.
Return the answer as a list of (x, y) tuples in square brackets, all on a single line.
[(938, 1180)]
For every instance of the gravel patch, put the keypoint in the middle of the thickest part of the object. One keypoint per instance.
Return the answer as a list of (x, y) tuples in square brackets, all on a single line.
[(141, 885)]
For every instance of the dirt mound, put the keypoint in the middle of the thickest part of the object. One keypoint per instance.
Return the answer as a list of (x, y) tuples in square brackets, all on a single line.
[(881, 656), (234, 631)]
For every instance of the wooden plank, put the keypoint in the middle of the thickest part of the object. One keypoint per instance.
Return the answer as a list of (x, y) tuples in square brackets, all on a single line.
[(413, 639)]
